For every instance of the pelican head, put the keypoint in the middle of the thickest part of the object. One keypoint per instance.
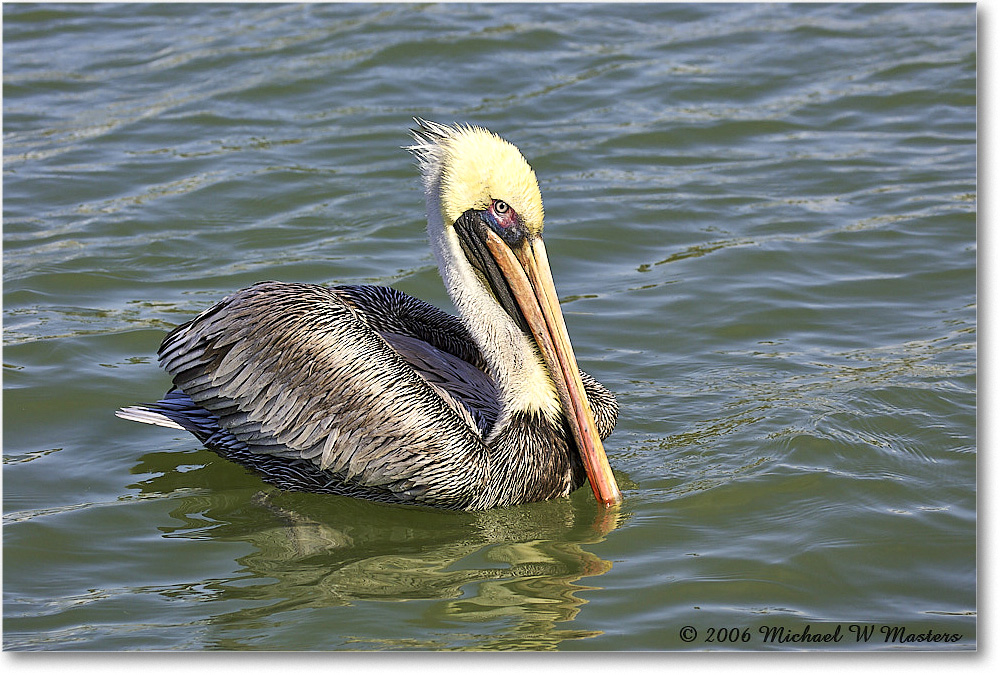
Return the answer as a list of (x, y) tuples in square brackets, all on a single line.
[(474, 166), (485, 221)]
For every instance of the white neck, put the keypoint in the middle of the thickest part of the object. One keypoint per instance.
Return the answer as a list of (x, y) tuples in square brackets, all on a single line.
[(511, 356)]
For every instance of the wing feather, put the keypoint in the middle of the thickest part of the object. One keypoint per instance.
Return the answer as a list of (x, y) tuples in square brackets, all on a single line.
[(295, 370), (437, 346)]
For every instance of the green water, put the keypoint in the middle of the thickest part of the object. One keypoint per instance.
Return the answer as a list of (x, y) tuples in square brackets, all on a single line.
[(762, 223)]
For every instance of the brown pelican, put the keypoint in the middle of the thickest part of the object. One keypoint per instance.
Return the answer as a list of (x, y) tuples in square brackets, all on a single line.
[(366, 391)]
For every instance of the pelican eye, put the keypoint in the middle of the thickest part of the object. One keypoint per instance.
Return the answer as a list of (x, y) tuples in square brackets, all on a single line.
[(502, 214)]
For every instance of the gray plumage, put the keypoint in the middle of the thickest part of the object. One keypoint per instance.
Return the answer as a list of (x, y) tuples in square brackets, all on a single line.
[(366, 391), (363, 391)]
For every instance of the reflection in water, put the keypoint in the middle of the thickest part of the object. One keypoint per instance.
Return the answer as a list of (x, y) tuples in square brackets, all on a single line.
[(514, 570)]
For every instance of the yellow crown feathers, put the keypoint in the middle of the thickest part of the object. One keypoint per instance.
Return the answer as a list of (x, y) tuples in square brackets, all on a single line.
[(473, 166)]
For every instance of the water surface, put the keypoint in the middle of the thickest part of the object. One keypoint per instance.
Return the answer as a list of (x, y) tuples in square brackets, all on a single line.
[(761, 220)]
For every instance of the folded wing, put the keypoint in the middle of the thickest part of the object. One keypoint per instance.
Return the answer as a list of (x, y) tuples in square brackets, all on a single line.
[(298, 371)]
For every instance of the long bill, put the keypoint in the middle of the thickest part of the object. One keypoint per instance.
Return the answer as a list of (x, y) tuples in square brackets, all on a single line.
[(526, 269)]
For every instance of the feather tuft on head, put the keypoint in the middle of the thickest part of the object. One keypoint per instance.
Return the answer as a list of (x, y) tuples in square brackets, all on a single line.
[(470, 166)]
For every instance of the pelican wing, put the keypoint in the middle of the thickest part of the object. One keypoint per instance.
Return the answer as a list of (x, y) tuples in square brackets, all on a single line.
[(440, 348), (297, 371), (469, 391), (437, 346)]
